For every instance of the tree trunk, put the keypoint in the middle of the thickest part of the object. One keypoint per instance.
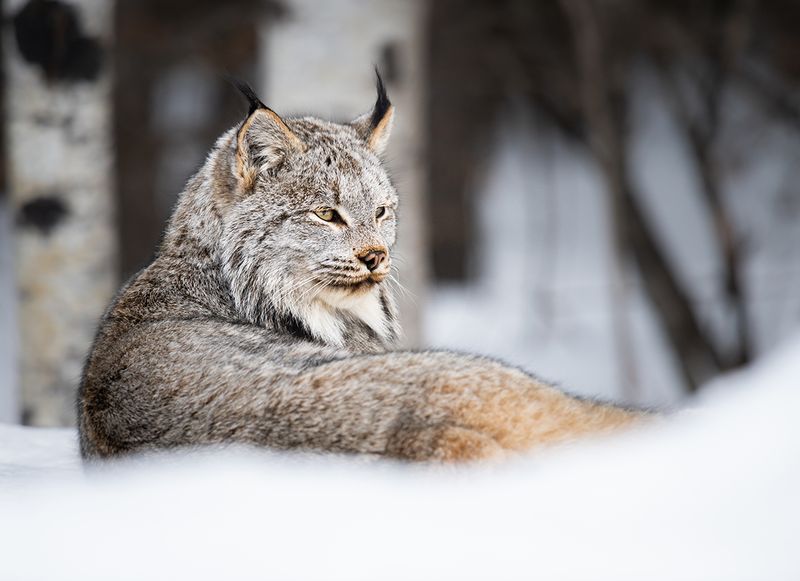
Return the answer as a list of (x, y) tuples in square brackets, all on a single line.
[(58, 87), (319, 60)]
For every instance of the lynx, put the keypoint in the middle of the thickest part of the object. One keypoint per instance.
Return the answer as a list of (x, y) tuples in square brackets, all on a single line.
[(266, 319)]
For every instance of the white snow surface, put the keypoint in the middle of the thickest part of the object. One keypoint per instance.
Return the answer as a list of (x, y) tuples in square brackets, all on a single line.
[(710, 493)]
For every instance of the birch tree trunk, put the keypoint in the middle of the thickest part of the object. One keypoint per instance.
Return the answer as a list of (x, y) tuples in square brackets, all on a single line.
[(319, 60), (58, 123)]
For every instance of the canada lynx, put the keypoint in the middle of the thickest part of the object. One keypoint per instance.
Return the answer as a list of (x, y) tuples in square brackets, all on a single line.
[(266, 319)]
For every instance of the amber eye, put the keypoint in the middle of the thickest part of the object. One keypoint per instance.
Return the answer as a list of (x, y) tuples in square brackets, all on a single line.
[(380, 212), (327, 214)]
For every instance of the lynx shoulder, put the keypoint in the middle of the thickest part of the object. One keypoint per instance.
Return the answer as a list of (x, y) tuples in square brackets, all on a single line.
[(266, 319)]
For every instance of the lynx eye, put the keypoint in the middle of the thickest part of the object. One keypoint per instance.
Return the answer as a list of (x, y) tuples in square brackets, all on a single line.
[(328, 214), (380, 212)]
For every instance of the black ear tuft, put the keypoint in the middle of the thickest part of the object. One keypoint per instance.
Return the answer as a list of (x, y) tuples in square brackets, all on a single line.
[(249, 93), (382, 103), (374, 127)]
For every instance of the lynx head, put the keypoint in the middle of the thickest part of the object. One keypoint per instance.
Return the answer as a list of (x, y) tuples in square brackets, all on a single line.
[(308, 222)]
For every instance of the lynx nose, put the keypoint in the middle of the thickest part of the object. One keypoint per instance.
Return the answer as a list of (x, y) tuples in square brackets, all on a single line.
[(372, 259)]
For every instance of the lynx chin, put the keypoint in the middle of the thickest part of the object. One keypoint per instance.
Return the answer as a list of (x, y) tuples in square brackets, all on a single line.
[(266, 319)]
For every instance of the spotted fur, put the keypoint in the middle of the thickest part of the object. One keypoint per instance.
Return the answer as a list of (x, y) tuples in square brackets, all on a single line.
[(257, 322)]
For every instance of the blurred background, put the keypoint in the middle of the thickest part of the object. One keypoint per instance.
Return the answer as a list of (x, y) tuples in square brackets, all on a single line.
[(604, 192)]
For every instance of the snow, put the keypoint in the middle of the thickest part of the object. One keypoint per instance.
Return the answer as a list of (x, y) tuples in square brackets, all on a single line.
[(710, 493), (35, 454)]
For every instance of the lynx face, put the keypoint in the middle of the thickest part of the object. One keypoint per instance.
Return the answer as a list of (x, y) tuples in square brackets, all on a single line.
[(310, 231)]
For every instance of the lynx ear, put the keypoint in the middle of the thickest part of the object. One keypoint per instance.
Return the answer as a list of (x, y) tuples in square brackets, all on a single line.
[(374, 127), (263, 142)]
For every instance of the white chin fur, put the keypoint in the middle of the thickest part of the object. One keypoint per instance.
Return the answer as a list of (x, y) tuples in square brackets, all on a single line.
[(364, 306), (323, 322)]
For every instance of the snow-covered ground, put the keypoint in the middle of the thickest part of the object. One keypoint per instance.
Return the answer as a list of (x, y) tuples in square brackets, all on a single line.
[(709, 494)]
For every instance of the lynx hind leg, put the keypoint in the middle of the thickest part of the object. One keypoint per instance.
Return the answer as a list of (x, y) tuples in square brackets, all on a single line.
[(443, 444)]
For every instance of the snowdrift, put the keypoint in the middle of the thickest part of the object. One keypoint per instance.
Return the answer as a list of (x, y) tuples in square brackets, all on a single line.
[(711, 493)]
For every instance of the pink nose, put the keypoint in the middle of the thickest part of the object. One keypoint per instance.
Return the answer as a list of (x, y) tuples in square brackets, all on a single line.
[(373, 259)]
